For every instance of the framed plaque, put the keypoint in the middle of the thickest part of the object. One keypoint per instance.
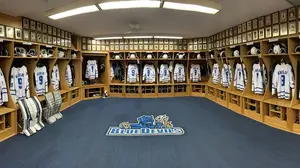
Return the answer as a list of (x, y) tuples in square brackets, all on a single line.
[(166, 41), (151, 47), (255, 35), (83, 40), (235, 40), (112, 42), (249, 36), (200, 46), (254, 24), (121, 47), (155, 41), (94, 48), (135, 41), (25, 23), (283, 29), (171, 48), (33, 36), (89, 41), (45, 28), (45, 40), (141, 41), (283, 16), (50, 30), (161, 41), (116, 42), (268, 32), (230, 32), (130, 47), (239, 29), (235, 31), (244, 38), (244, 28), (239, 38), (136, 47), (226, 33), (275, 30), (32, 25), (126, 47), (2, 31), (161, 47), (53, 40), (39, 27), (261, 22), (54, 31), (98, 48), (93, 41), (195, 47), (292, 13), (204, 40), (117, 47), (39, 38), (89, 47), (268, 20), (141, 47), (249, 26), (18, 34), (58, 43), (261, 33), (195, 41), (156, 47), (58, 33)]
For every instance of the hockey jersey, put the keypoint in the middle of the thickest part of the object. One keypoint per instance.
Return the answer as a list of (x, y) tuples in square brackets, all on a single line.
[(91, 70), (55, 77), (19, 83), (216, 73), (112, 73), (132, 73), (259, 78), (164, 73), (41, 80), (149, 74), (226, 75), (179, 73), (240, 76), (283, 81), (69, 77), (195, 73), (3, 89)]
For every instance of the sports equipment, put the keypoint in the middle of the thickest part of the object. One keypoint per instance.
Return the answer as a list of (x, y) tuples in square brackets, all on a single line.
[(297, 49), (149, 74), (69, 76), (216, 73), (149, 56), (43, 53), (3, 89), (61, 54), (55, 77), (41, 80), (50, 109), (180, 56), (259, 78), (222, 54), (198, 56), (164, 73), (3, 51), (20, 51), (132, 56), (50, 53), (240, 77), (283, 81), (32, 53), (226, 75), (57, 105), (278, 49), (74, 55), (254, 51), (91, 70), (19, 84), (236, 53), (179, 73), (195, 73), (132, 73), (165, 56)]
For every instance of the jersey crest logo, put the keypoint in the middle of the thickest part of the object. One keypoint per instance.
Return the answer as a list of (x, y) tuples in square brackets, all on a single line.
[(146, 125)]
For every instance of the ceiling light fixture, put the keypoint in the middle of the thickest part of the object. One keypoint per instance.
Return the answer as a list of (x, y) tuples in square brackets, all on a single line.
[(107, 38), (168, 37), (137, 37), (204, 6), (130, 4), (72, 12)]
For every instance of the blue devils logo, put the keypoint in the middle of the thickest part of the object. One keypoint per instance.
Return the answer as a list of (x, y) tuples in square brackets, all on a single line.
[(146, 125)]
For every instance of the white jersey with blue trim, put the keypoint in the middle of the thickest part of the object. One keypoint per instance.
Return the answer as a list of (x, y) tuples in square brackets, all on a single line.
[(226, 75), (216, 73), (55, 77), (19, 83), (69, 76), (149, 74), (164, 73), (195, 73), (259, 78), (283, 81), (3, 89), (41, 80), (179, 73), (240, 77), (132, 73), (91, 70)]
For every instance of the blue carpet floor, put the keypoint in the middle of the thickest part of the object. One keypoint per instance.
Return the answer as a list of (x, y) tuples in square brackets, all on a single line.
[(215, 138)]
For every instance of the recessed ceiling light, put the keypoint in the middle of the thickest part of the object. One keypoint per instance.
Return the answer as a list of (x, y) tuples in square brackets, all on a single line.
[(76, 11), (129, 4), (135, 37), (107, 38), (168, 37), (203, 6)]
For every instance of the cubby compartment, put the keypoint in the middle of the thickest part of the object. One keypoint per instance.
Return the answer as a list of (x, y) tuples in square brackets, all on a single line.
[(165, 91), (65, 100), (221, 97), (211, 93), (91, 93), (180, 90), (275, 116), (198, 90), (75, 95), (252, 109), (235, 102), (116, 90), (133, 91), (8, 122), (149, 91), (294, 120)]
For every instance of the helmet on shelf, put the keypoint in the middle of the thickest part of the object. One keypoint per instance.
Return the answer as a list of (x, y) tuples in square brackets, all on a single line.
[(32, 53), (50, 53), (20, 51), (43, 53), (236, 53), (61, 54)]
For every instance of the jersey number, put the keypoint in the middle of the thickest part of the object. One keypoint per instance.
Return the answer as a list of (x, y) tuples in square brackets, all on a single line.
[(20, 83), (40, 80), (282, 80)]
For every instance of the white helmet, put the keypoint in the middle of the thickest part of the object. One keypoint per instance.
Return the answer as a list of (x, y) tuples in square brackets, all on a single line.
[(198, 56), (61, 54), (20, 51), (132, 56), (181, 55), (254, 50), (149, 56), (43, 53), (165, 56), (74, 55), (277, 49), (31, 53), (236, 53), (50, 53), (117, 56)]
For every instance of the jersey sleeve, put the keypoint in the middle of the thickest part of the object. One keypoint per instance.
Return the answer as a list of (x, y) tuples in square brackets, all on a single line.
[(292, 80), (253, 77), (96, 70), (27, 91), (274, 80)]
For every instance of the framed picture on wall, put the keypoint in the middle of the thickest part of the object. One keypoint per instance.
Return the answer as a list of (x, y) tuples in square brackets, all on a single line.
[(58, 42), (10, 32), (39, 37), (244, 28), (25, 23), (268, 20), (275, 18), (230, 32), (32, 25), (283, 29), (58, 33), (275, 30), (299, 12), (254, 24), (283, 16), (45, 40), (261, 33), (244, 38), (261, 22), (38, 26), (49, 39), (18, 34), (255, 35), (249, 26), (239, 38), (239, 29), (26, 35), (268, 32), (62, 35), (249, 36), (32, 36), (292, 27), (54, 31), (2, 31), (292, 13), (45, 28), (50, 30), (226, 33)]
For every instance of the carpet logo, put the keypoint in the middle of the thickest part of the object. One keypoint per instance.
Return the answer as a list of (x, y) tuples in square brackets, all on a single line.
[(146, 125)]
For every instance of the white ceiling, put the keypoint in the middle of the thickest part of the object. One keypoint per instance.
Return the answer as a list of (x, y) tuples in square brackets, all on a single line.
[(188, 24)]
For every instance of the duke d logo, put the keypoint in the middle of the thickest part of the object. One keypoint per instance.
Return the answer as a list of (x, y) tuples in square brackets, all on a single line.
[(146, 125)]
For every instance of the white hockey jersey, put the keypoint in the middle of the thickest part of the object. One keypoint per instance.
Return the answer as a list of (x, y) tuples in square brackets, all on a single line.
[(69, 76), (91, 70), (216, 73), (3, 89), (179, 73), (149, 74), (195, 73), (164, 73), (55, 77), (240, 77), (283, 81), (112, 73), (259, 78), (226, 75), (41, 80), (132, 73), (19, 83)]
